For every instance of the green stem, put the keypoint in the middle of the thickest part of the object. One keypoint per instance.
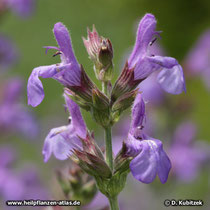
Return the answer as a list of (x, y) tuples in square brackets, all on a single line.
[(113, 203), (105, 87), (108, 140), (109, 158)]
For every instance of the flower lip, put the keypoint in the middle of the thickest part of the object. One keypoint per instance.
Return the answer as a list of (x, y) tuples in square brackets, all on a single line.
[(149, 158), (68, 72), (63, 140)]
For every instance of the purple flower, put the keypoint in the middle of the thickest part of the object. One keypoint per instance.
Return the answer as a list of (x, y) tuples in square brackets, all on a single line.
[(60, 141), (198, 60), (149, 158), (68, 72), (14, 116), (187, 157), (23, 8), (171, 77), (8, 53)]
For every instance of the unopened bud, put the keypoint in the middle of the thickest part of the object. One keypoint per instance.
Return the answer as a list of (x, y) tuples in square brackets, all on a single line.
[(101, 53), (122, 161), (124, 84), (123, 103), (91, 159)]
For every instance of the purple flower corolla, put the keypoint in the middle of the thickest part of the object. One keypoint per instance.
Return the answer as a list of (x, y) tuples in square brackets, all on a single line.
[(187, 157), (198, 60), (60, 141), (68, 72), (151, 90), (14, 116), (171, 78), (149, 158), (23, 8), (8, 53)]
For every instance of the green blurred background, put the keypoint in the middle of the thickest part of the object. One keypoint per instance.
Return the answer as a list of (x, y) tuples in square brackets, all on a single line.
[(182, 21)]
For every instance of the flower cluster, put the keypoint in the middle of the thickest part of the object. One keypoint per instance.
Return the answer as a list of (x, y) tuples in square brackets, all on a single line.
[(141, 154)]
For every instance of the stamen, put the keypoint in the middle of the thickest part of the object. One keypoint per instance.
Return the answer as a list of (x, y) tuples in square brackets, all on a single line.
[(57, 53), (70, 119), (152, 42), (140, 127)]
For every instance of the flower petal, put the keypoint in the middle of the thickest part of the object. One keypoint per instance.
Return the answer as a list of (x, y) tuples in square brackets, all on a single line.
[(77, 120), (164, 165), (172, 80), (35, 88), (64, 41), (162, 61), (133, 146), (57, 144), (144, 165), (144, 67), (151, 90), (138, 113), (152, 160), (145, 32)]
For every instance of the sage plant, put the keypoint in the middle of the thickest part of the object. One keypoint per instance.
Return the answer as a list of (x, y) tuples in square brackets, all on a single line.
[(141, 154)]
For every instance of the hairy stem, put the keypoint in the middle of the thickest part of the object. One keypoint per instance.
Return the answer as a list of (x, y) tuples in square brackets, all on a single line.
[(113, 203)]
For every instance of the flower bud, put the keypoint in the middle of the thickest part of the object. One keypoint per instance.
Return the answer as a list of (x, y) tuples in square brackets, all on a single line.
[(122, 161), (91, 159), (123, 103), (124, 84), (101, 53)]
